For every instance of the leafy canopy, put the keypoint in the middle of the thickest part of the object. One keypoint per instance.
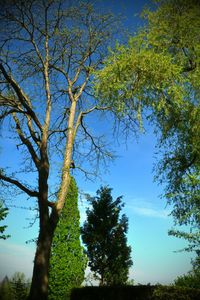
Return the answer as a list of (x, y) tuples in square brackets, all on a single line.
[(158, 75)]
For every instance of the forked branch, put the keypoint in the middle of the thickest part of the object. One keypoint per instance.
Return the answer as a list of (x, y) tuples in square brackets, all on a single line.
[(23, 99)]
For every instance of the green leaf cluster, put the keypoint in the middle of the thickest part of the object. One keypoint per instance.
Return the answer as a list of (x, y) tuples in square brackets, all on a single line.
[(68, 261), (157, 74), (179, 168), (104, 234)]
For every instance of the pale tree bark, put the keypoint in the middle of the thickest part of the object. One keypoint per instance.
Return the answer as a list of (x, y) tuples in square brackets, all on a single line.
[(45, 93)]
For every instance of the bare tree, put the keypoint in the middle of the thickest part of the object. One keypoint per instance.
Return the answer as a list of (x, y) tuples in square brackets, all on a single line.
[(49, 51)]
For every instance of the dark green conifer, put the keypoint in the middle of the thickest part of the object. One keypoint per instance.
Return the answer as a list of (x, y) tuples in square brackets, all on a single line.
[(104, 234)]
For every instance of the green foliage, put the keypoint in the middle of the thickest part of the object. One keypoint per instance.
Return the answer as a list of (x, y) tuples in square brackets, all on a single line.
[(175, 293), (192, 279), (104, 234), (159, 72), (3, 214), (20, 286), (67, 262), (16, 288), (180, 166), (5, 289), (180, 127)]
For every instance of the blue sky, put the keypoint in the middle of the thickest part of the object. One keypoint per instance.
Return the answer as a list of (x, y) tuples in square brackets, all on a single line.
[(131, 175)]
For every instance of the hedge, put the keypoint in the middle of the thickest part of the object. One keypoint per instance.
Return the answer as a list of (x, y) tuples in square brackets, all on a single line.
[(176, 293), (140, 292)]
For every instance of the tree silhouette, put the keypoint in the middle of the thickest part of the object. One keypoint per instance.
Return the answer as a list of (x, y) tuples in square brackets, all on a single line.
[(104, 234)]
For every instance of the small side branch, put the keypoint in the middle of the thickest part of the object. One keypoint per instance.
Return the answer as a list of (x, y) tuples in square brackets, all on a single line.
[(96, 108), (83, 113), (19, 185), (26, 142), (90, 136)]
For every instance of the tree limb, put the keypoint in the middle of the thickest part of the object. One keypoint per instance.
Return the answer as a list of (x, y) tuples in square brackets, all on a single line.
[(96, 108), (19, 185), (26, 141), (21, 95)]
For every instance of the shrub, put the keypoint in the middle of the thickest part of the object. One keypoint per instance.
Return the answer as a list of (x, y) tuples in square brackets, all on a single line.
[(175, 293), (141, 292), (113, 292)]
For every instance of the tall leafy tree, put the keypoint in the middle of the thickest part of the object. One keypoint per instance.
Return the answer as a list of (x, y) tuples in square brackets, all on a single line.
[(68, 260), (180, 164), (3, 214), (49, 52), (158, 75), (104, 234)]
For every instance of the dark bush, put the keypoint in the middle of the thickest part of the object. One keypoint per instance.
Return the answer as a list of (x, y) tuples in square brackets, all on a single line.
[(175, 293), (114, 292), (141, 292)]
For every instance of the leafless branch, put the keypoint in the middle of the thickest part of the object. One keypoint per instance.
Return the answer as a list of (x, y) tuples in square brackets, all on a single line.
[(23, 99), (96, 108), (19, 185), (26, 141)]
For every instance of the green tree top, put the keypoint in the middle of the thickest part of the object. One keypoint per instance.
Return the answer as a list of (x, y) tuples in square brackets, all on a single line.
[(104, 234)]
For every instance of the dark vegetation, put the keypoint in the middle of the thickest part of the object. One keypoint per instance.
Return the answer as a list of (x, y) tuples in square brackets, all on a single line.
[(104, 234), (141, 292), (15, 288), (18, 290)]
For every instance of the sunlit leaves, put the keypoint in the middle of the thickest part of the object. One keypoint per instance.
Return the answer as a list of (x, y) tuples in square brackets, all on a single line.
[(158, 73)]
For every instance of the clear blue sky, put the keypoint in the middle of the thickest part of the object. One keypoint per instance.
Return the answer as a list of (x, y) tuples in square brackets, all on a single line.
[(131, 175)]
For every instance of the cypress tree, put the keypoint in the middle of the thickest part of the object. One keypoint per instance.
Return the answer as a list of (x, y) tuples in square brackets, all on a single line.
[(68, 261)]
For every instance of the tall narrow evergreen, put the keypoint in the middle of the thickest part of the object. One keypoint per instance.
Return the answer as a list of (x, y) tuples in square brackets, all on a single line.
[(67, 262)]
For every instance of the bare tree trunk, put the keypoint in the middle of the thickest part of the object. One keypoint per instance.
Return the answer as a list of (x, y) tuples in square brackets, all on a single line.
[(39, 285)]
